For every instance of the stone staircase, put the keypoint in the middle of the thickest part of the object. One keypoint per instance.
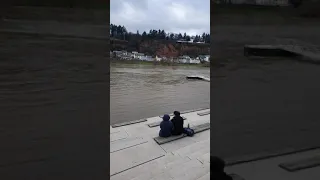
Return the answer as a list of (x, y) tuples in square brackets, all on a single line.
[(191, 162)]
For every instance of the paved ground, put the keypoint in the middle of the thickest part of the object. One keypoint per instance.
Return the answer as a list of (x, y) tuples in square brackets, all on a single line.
[(134, 155)]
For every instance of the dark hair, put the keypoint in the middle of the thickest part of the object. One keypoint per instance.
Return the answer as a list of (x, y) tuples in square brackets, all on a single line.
[(176, 113), (216, 164)]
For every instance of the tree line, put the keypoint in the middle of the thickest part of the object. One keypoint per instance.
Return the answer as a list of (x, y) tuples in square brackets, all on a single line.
[(120, 32)]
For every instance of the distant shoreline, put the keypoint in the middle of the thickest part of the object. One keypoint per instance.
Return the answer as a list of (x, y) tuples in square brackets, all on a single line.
[(114, 62)]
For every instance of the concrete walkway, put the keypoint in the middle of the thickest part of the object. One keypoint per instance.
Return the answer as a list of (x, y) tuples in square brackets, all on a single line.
[(134, 155)]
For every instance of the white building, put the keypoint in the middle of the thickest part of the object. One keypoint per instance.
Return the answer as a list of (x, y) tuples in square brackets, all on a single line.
[(188, 60), (207, 58), (146, 58), (195, 61), (138, 56), (117, 53), (184, 59), (158, 58)]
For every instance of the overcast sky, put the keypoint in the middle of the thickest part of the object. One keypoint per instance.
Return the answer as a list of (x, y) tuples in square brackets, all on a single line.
[(190, 16)]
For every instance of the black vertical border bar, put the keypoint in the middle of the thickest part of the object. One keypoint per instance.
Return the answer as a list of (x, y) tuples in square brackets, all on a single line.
[(215, 65), (109, 104), (82, 146), (212, 125), (211, 69), (106, 121)]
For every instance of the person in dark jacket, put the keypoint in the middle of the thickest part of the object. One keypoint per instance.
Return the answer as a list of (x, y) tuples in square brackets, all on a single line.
[(166, 126), (217, 169), (177, 122)]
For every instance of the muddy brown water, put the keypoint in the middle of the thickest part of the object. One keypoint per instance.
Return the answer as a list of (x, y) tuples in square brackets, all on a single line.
[(142, 91)]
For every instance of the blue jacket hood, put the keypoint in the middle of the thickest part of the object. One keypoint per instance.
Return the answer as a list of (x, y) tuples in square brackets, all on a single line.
[(166, 117)]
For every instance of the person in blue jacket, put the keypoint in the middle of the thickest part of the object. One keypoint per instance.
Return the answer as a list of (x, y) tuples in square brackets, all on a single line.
[(166, 126)]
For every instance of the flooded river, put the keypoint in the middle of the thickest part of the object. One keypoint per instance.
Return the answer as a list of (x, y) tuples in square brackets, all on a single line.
[(142, 91)]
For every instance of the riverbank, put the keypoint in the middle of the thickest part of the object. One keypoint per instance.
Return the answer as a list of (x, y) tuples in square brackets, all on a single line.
[(114, 62)]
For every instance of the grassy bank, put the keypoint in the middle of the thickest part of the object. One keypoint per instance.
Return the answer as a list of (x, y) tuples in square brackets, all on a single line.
[(124, 62)]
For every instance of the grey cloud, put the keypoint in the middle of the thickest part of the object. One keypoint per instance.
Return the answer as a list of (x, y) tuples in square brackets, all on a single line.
[(191, 16)]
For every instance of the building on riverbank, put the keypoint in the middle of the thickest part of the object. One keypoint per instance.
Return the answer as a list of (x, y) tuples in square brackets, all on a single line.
[(184, 59), (188, 60), (204, 58)]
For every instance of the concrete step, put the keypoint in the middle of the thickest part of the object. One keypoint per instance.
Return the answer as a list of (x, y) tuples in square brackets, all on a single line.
[(160, 170), (194, 147), (200, 152), (162, 177), (132, 157), (126, 143), (114, 130), (183, 170), (205, 177), (194, 173), (132, 173), (188, 111), (118, 135), (204, 159), (128, 123), (204, 113)]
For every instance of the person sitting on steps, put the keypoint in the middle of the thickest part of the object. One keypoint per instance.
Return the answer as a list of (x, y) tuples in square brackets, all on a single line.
[(166, 126), (177, 122)]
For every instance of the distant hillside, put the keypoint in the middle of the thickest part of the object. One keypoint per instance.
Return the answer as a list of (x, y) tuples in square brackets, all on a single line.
[(162, 47)]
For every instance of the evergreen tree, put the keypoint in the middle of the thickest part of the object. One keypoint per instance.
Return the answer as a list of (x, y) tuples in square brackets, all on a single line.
[(144, 35), (171, 36), (162, 34), (188, 38), (120, 32), (203, 37)]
